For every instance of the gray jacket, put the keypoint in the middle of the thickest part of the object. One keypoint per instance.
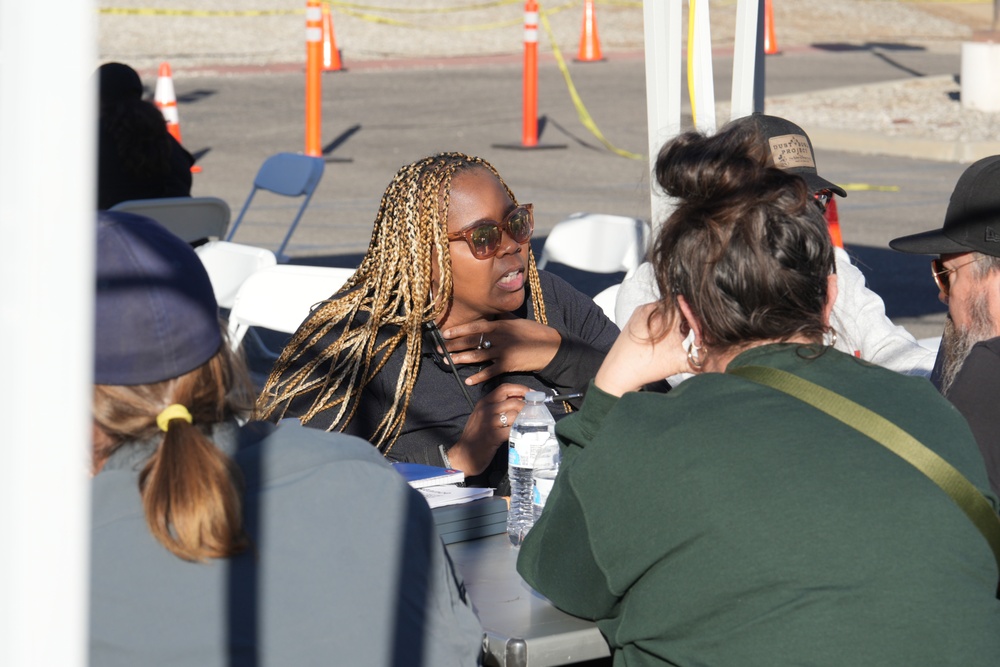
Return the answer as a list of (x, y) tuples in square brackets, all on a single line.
[(346, 566)]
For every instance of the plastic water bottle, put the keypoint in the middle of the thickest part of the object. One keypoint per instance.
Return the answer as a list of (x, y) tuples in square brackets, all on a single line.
[(530, 432), (546, 469)]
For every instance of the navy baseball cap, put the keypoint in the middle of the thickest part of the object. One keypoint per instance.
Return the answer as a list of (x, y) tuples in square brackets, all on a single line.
[(972, 223), (156, 314), (791, 150)]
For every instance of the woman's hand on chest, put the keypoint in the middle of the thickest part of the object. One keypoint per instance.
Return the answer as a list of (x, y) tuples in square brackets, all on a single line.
[(505, 345)]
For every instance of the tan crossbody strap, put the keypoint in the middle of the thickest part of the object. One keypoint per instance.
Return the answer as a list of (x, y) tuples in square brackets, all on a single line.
[(893, 438)]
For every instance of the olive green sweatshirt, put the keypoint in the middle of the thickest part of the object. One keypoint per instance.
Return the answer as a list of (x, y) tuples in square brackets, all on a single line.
[(726, 523)]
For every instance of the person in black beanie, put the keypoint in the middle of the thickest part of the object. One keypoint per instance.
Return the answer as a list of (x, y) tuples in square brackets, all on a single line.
[(137, 158)]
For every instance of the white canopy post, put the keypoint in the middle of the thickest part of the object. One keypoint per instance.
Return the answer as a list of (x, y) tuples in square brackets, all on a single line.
[(47, 196), (700, 67), (662, 27), (748, 59)]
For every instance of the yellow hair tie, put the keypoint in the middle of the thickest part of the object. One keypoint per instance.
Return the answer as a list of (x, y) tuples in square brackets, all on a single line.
[(175, 411)]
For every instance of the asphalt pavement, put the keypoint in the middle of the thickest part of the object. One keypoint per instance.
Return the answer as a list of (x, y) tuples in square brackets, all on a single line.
[(376, 119)]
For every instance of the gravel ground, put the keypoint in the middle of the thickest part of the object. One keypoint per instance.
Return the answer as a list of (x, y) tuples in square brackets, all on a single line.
[(927, 107), (229, 32)]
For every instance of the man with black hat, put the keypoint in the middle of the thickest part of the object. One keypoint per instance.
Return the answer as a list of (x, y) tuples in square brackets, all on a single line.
[(858, 314), (967, 273)]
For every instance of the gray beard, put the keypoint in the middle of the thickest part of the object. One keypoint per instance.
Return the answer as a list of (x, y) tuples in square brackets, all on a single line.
[(957, 343)]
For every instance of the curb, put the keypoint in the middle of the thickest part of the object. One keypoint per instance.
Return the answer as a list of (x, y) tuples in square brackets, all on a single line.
[(873, 143)]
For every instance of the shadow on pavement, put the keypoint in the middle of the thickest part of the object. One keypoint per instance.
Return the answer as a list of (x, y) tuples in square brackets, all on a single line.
[(903, 281)]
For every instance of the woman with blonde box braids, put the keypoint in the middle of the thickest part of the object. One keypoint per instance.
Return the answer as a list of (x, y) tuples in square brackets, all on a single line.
[(428, 350)]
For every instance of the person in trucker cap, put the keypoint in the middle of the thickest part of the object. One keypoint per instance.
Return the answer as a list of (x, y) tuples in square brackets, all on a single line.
[(967, 272), (859, 318)]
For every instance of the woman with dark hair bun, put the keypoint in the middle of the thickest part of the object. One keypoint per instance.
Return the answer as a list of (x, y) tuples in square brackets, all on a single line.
[(730, 522)]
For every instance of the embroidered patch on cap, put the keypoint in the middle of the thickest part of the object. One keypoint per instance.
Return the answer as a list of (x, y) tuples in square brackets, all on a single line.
[(991, 236), (791, 151)]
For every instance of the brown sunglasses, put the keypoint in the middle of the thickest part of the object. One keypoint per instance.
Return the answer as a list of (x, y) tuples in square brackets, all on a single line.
[(485, 237)]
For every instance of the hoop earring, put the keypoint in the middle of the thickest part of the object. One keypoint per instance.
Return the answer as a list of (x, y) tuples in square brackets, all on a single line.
[(833, 337), (694, 357)]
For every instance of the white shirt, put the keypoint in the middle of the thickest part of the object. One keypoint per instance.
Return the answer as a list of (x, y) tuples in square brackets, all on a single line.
[(858, 317)]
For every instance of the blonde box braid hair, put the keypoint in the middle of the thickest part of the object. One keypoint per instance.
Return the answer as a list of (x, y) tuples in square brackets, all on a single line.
[(391, 289)]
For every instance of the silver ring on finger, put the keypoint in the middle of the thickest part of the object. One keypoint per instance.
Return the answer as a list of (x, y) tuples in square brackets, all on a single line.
[(503, 420), (480, 346), (485, 345)]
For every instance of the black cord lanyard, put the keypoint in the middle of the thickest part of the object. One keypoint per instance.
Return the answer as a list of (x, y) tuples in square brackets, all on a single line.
[(439, 341)]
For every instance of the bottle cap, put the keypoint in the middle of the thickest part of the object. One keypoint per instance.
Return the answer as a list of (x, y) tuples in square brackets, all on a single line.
[(535, 396)]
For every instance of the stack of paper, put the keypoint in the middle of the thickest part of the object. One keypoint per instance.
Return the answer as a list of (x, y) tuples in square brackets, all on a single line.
[(439, 496), (439, 485)]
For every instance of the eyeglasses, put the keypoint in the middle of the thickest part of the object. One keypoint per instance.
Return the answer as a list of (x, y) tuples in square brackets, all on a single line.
[(942, 275), (822, 199), (485, 238)]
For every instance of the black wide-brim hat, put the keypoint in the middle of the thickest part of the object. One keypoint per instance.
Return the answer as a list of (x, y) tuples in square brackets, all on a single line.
[(972, 223)]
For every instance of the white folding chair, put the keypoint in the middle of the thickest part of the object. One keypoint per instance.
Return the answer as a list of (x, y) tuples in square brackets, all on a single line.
[(606, 299), (280, 297), (597, 242), (191, 218), (230, 264), (290, 175)]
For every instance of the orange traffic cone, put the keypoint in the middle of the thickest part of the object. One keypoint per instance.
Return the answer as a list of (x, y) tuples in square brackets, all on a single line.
[(770, 41), (331, 54), (833, 222), (166, 102), (590, 45)]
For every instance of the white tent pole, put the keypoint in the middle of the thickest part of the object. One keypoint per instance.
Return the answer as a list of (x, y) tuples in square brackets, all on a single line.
[(701, 66), (47, 195), (748, 59), (662, 27)]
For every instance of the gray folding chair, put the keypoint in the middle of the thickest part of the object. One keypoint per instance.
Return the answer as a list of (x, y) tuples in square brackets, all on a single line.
[(194, 219), (290, 175)]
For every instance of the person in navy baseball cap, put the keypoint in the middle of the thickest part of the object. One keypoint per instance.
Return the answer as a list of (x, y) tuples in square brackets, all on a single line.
[(966, 270), (213, 539), (156, 317)]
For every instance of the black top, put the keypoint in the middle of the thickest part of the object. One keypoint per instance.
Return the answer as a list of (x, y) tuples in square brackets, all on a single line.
[(439, 409), (137, 158), (975, 393)]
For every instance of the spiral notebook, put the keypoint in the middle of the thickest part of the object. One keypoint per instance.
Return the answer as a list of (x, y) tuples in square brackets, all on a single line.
[(420, 476)]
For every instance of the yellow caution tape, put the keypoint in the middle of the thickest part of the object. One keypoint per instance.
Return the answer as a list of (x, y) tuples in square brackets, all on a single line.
[(422, 10), (371, 18), (581, 110), (869, 187), (343, 6), (123, 11), (690, 63)]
